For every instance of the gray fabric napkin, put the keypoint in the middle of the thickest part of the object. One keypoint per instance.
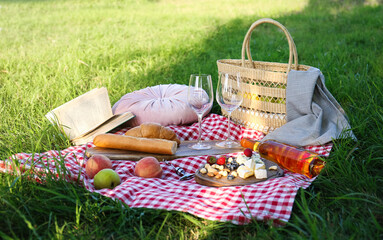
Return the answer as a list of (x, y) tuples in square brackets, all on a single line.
[(313, 116)]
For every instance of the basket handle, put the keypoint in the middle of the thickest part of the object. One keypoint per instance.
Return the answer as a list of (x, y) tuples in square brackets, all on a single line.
[(246, 43)]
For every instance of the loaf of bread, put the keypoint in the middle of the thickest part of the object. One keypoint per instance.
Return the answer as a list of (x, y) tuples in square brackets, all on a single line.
[(149, 145), (153, 130)]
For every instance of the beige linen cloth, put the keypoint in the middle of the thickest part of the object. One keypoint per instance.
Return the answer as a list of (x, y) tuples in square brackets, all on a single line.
[(313, 115)]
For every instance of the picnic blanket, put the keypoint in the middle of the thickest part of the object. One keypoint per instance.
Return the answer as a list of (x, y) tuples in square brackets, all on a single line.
[(268, 200)]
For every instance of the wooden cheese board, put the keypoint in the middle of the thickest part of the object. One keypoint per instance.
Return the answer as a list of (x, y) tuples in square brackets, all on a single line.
[(204, 179), (182, 151)]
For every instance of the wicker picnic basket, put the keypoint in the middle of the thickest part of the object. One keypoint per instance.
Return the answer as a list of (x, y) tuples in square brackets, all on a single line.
[(263, 83)]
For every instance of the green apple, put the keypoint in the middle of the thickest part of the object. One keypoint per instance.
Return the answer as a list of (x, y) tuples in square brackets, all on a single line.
[(106, 178)]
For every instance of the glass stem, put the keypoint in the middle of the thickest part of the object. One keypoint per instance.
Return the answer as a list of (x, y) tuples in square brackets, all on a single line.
[(228, 127), (199, 128)]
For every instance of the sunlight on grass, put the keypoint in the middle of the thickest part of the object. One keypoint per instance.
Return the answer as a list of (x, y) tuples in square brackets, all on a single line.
[(57, 51), (53, 51)]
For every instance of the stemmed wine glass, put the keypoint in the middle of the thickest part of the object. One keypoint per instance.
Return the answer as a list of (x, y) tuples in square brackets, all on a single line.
[(200, 98), (229, 96)]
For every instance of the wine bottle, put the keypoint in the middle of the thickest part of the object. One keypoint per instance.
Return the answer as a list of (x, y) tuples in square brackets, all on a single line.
[(286, 156)]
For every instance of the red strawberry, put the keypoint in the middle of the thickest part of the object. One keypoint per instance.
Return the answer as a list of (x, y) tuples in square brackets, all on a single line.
[(211, 159), (221, 161), (248, 152)]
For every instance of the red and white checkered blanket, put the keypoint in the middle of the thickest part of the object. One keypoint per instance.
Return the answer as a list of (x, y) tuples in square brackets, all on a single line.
[(268, 200)]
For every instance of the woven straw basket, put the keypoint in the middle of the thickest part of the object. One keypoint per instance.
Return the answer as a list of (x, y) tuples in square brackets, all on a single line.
[(263, 84)]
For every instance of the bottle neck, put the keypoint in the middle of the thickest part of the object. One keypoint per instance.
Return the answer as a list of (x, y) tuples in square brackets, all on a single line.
[(256, 146)]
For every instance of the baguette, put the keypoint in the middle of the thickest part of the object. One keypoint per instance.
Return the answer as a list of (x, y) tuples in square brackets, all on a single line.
[(149, 145), (153, 130)]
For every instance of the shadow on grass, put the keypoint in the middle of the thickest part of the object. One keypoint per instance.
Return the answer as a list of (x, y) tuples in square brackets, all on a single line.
[(330, 35), (342, 38)]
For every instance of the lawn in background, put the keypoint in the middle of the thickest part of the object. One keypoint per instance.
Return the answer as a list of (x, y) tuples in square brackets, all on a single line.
[(53, 51)]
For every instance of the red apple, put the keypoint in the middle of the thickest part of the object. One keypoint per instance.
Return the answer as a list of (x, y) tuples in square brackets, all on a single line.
[(148, 167), (96, 163)]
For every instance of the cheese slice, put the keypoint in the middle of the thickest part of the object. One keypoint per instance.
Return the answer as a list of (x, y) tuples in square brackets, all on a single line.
[(256, 158), (259, 166), (250, 164), (245, 172), (243, 167), (241, 159), (260, 173)]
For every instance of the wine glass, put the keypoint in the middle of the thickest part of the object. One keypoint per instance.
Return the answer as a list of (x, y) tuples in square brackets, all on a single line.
[(229, 96), (200, 98)]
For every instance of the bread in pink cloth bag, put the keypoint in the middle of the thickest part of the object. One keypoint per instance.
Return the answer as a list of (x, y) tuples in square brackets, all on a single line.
[(163, 104)]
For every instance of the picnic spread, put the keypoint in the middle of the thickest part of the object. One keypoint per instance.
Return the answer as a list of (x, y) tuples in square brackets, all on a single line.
[(285, 123), (268, 200)]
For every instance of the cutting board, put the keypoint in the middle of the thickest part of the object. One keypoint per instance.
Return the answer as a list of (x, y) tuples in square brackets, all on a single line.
[(204, 179), (182, 151)]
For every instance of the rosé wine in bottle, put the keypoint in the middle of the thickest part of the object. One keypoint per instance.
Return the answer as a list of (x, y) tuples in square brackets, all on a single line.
[(287, 156)]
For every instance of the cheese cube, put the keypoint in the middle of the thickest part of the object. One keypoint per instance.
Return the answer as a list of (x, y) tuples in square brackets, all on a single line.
[(243, 167), (260, 173), (258, 160), (256, 157), (245, 172), (259, 166), (241, 159), (250, 164)]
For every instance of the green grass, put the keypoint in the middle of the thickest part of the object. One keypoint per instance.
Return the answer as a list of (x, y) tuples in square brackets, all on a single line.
[(53, 51)]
